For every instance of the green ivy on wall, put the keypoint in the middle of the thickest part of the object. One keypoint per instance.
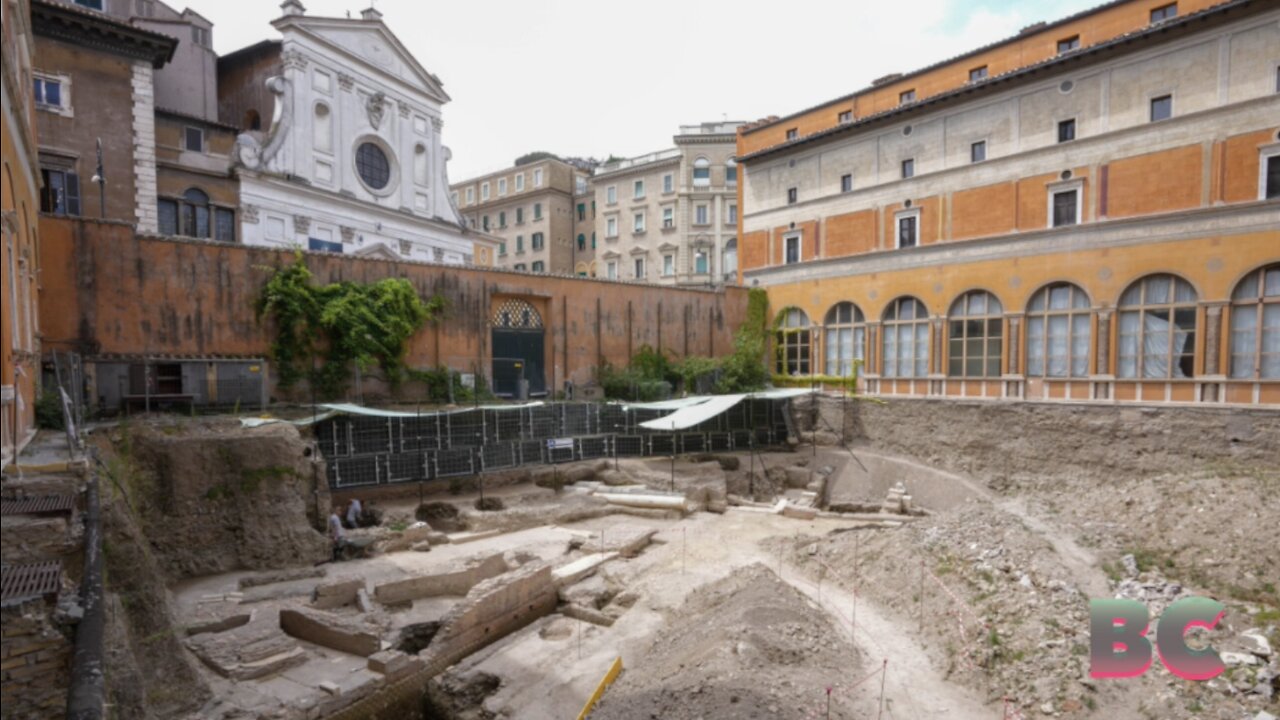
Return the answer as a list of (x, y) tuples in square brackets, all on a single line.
[(347, 324)]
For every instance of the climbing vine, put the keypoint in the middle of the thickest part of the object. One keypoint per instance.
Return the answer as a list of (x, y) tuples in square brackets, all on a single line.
[(349, 325)]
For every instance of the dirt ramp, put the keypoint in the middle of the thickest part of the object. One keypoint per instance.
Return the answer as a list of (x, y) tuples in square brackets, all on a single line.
[(216, 500), (748, 646)]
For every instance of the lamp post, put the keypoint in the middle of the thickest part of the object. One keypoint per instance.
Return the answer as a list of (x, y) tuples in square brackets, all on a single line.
[(100, 177)]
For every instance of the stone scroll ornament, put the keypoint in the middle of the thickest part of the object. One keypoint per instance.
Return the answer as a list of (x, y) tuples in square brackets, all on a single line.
[(256, 155)]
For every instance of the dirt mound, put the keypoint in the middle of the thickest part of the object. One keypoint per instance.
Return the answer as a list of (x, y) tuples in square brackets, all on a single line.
[(748, 646), (222, 499)]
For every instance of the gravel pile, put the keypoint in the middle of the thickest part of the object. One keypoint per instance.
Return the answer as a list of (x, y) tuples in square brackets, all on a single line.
[(748, 646)]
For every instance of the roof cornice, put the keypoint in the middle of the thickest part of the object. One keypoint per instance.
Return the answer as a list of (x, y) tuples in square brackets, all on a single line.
[(1156, 34), (89, 29)]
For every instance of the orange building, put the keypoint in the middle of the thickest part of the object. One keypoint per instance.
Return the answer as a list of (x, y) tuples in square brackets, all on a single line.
[(19, 247), (1087, 211)]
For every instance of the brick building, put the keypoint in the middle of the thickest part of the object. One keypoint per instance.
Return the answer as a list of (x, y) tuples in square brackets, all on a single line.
[(668, 217), (93, 80), (531, 209), (1086, 211)]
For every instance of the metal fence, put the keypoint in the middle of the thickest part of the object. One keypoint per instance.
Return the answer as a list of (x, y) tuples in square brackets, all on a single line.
[(362, 450)]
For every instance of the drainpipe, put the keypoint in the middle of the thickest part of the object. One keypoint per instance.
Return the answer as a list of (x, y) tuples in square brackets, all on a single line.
[(85, 698)]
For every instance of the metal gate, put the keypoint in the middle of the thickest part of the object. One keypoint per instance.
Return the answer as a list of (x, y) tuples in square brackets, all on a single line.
[(519, 339)]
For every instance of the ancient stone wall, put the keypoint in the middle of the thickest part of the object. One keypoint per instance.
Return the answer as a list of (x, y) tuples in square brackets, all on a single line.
[(226, 500), (1009, 440), (457, 582), (36, 663)]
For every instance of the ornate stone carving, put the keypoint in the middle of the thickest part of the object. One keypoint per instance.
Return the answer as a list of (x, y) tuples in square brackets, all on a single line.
[(437, 123), (348, 234), (301, 223), (294, 59), (346, 82), (249, 214), (254, 155), (376, 106), (404, 111)]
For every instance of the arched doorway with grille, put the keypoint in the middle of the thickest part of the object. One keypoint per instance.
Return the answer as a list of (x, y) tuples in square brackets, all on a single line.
[(519, 344)]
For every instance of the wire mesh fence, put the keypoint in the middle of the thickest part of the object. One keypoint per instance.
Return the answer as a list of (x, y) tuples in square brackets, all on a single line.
[(361, 450)]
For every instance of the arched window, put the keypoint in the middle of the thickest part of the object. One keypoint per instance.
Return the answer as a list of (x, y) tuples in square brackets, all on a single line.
[(906, 339), (252, 120), (1058, 332), (730, 262), (975, 335), (1157, 329), (323, 129), (516, 313), (701, 172), (793, 340), (1255, 325), (846, 331), (420, 164)]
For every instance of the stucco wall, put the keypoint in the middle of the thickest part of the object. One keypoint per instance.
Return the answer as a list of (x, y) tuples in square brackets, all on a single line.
[(123, 294)]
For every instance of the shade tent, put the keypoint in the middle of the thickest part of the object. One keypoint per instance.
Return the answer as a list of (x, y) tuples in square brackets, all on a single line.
[(328, 410), (703, 408), (684, 412)]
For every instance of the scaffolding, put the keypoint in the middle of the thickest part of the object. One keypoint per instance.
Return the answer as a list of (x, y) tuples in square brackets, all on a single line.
[(362, 450)]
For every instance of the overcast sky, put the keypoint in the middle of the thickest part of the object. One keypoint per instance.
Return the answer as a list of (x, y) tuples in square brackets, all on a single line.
[(601, 77)]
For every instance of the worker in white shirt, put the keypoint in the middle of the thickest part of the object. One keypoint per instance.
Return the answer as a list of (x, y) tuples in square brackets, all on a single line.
[(353, 514), (336, 533)]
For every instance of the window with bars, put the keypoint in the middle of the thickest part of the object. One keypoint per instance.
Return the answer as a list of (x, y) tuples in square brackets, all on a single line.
[(845, 329), (1058, 332), (1255, 325), (975, 336), (793, 340), (905, 339)]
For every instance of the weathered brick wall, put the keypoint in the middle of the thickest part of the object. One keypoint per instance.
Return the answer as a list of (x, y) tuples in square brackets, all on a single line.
[(111, 291), (36, 662)]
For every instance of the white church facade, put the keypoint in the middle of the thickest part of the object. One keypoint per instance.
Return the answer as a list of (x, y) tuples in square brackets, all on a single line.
[(351, 159)]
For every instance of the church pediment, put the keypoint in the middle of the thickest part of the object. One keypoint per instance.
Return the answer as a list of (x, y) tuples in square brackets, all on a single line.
[(372, 43)]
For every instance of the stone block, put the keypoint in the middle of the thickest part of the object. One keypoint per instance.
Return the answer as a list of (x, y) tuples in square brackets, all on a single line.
[(219, 624), (388, 662), (799, 513), (798, 477), (337, 593), (330, 631)]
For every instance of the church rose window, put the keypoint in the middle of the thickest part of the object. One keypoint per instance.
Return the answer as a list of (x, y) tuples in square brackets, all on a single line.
[(373, 166)]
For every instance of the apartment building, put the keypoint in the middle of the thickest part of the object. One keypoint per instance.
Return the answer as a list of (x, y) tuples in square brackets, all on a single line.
[(671, 216), (1086, 212), (531, 209)]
